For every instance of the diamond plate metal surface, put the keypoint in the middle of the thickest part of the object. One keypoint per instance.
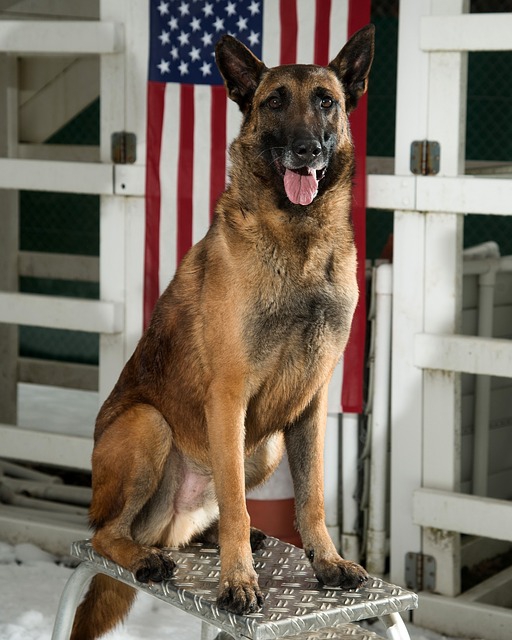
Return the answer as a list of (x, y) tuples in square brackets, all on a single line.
[(295, 603)]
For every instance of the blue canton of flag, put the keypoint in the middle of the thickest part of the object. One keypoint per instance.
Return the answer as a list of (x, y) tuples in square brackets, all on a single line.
[(184, 34)]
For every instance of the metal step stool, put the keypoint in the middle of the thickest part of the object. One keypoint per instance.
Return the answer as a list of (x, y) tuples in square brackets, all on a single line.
[(296, 605)]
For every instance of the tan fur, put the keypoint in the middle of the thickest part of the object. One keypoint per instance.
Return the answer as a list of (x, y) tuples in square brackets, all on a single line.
[(236, 361)]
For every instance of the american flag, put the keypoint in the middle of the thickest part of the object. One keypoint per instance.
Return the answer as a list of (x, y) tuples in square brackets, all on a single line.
[(190, 121)]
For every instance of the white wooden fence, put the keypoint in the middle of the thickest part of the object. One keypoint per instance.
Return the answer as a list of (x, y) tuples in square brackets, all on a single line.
[(428, 510)]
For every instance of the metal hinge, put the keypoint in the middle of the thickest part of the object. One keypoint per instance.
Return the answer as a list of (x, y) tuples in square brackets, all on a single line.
[(124, 147), (425, 157), (420, 572)]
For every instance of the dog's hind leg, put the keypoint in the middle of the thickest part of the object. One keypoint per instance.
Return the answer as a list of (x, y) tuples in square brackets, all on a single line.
[(128, 466)]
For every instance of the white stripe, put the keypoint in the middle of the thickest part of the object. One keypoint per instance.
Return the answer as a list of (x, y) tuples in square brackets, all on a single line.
[(306, 31), (168, 185), (202, 145), (271, 33), (338, 27)]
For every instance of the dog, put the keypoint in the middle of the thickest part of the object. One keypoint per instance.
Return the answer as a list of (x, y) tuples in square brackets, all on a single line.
[(235, 363)]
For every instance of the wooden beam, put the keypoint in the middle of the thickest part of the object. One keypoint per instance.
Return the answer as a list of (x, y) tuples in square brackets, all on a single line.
[(60, 37), (77, 314), (466, 354), (473, 515), (469, 32), (58, 266)]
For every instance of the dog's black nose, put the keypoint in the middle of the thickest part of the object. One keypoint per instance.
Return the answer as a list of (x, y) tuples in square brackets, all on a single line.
[(306, 149)]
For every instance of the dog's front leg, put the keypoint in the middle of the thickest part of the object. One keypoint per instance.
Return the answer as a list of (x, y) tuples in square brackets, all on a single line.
[(238, 585), (305, 447)]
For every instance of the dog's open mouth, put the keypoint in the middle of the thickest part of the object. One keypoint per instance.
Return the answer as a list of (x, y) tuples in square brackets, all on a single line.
[(301, 185)]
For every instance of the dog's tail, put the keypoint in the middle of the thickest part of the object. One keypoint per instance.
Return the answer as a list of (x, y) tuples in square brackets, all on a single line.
[(106, 604)]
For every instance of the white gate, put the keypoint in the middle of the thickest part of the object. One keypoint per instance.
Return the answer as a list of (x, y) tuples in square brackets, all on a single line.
[(428, 510), (108, 52)]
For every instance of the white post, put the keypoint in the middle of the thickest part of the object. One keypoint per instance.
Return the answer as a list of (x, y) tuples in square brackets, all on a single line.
[(443, 292), (408, 278)]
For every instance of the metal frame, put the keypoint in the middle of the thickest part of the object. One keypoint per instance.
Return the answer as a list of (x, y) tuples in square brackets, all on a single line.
[(296, 606)]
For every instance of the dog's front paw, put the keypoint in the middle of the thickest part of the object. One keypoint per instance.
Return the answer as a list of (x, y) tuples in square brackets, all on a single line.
[(340, 573), (240, 596), (155, 567)]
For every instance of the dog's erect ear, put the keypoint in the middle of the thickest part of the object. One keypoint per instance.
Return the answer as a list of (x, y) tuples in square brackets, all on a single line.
[(353, 63), (240, 68)]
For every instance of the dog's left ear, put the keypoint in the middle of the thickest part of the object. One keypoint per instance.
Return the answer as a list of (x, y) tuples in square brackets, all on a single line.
[(240, 68), (353, 63)]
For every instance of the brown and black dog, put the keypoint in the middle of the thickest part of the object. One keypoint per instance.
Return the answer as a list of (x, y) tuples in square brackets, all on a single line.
[(236, 361)]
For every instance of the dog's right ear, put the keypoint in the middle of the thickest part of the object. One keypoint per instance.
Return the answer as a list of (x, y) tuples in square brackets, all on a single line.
[(240, 68)]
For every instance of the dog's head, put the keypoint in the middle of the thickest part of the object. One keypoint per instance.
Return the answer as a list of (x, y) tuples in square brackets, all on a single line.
[(296, 116)]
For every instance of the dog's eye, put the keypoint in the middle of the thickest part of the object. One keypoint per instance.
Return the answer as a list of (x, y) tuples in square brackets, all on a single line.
[(326, 103), (274, 102)]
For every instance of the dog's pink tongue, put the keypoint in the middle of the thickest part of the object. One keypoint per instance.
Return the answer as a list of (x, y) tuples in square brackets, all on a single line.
[(300, 189)]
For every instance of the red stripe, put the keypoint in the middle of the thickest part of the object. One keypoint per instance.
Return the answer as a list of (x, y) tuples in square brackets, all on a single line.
[(322, 31), (353, 363), (218, 145), (185, 171), (289, 28), (155, 108)]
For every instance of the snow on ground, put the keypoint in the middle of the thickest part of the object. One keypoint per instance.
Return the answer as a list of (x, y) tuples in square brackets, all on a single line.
[(31, 582)]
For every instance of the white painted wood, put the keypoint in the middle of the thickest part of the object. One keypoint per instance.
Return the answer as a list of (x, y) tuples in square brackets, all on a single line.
[(59, 312), (408, 279), (65, 177), (44, 447), (457, 617), (496, 590), (59, 266), (391, 192), (474, 515), (462, 194), (130, 180), (467, 194), (406, 388), (471, 32), (446, 124), (466, 354), (62, 37), (84, 9)]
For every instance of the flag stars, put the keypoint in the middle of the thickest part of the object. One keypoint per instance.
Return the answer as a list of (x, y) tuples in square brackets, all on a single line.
[(195, 25), (164, 66), (207, 39), (183, 68), (206, 69), (174, 53), (207, 9), (184, 38), (184, 9), (254, 8), (230, 8), (195, 54), (163, 8), (254, 38), (173, 23), (165, 37), (241, 24), (218, 24)]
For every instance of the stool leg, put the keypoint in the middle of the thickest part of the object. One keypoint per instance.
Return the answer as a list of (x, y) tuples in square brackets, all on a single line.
[(209, 632), (395, 627), (69, 601)]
